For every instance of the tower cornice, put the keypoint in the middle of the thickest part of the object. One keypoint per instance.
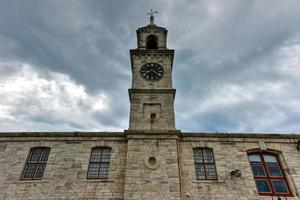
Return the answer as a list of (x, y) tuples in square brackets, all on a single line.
[(151, 26), (151, 91), (152, 53)]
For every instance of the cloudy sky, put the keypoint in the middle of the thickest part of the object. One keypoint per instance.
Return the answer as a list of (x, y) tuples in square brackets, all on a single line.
[(64, 64)]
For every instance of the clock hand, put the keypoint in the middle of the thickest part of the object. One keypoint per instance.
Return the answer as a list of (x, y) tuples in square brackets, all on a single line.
[(155, 72), (151, 70)]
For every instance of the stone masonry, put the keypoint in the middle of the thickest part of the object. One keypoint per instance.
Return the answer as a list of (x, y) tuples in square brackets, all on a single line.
[(146, 96), (131, 176), (66, 171)]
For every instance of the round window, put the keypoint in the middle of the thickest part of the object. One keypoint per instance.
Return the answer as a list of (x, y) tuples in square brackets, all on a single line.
[(152, 160)]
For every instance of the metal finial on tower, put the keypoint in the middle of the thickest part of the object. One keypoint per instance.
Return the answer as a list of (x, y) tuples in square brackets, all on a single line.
[(151, 13)]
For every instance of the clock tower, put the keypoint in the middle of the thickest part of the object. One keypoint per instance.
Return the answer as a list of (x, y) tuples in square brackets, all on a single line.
[(151, 95), (152, 170)]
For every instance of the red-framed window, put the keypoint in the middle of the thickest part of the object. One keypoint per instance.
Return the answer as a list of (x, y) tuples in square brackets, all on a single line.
[(99, 163), (36, 163), (268, 174), (205, 166)]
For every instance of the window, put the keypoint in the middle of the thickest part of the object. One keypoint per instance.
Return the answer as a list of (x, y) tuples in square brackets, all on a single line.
[(36, 163), (151, 42), (204, 164), (269, 177), (99, 163)]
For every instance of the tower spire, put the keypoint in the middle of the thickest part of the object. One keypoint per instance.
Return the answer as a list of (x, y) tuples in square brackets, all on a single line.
[(151, 13)]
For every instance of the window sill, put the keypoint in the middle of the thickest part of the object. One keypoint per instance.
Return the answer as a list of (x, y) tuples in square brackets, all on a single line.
[(99, 180), (47, 181), (206, 181), (33, 181)]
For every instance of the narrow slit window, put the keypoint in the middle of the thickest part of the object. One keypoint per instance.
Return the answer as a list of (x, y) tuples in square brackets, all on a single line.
[(99, 163), (36, 163), (268, 175), (205, 166)]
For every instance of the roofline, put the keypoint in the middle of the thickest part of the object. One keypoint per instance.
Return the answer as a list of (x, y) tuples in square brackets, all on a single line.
[(151, 26), (122, 134), (242, 135), (62, 134)]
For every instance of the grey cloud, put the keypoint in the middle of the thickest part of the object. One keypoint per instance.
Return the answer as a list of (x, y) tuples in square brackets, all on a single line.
[(217, 44)]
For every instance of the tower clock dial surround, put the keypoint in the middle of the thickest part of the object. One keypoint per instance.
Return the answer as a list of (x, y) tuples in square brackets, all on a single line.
[(152, 71)]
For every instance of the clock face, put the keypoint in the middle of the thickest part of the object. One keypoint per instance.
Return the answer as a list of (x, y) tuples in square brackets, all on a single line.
[(152, 71)]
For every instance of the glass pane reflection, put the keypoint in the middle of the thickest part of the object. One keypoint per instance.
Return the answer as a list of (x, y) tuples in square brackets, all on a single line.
[(263, 186)]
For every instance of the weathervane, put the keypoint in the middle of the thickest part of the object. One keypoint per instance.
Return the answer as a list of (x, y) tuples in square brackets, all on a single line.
[(151, 13)]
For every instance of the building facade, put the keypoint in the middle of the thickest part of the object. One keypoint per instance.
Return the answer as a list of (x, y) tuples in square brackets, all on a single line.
[(152, 159)]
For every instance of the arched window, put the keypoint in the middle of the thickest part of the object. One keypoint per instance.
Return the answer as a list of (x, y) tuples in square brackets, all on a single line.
[(36, 163), (269, 177), (151, 42), (204, 163), (99, 163)]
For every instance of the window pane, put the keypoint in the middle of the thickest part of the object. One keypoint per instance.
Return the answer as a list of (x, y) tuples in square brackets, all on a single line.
[(104, 169), (258, 170), (274, 171), (40, 170), (270, 158), (268, 174), (93, 170), (254, 158), (200, 172), (105, 155), (262, 186), (96, 155), (280, 186), (44, 156), (210, 171), (29, 171), (208, 156), (198, 155), (35, 155), (99, 163)]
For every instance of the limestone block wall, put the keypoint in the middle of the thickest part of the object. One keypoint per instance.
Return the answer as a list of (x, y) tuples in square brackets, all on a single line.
[(133, 175), (152, 181), (230, 154), (163, 57), (143, 103), (66, 170)]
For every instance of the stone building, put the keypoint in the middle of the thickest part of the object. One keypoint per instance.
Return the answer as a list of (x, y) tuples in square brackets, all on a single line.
[(152, 159)]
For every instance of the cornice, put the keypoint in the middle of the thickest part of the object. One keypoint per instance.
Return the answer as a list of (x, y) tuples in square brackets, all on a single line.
[(151, 91), (15, 136), (153, 52)]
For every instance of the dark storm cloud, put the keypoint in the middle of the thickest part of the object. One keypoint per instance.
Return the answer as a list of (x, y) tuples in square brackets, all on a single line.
[(63, 37), (237, 43), (234, 63)]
